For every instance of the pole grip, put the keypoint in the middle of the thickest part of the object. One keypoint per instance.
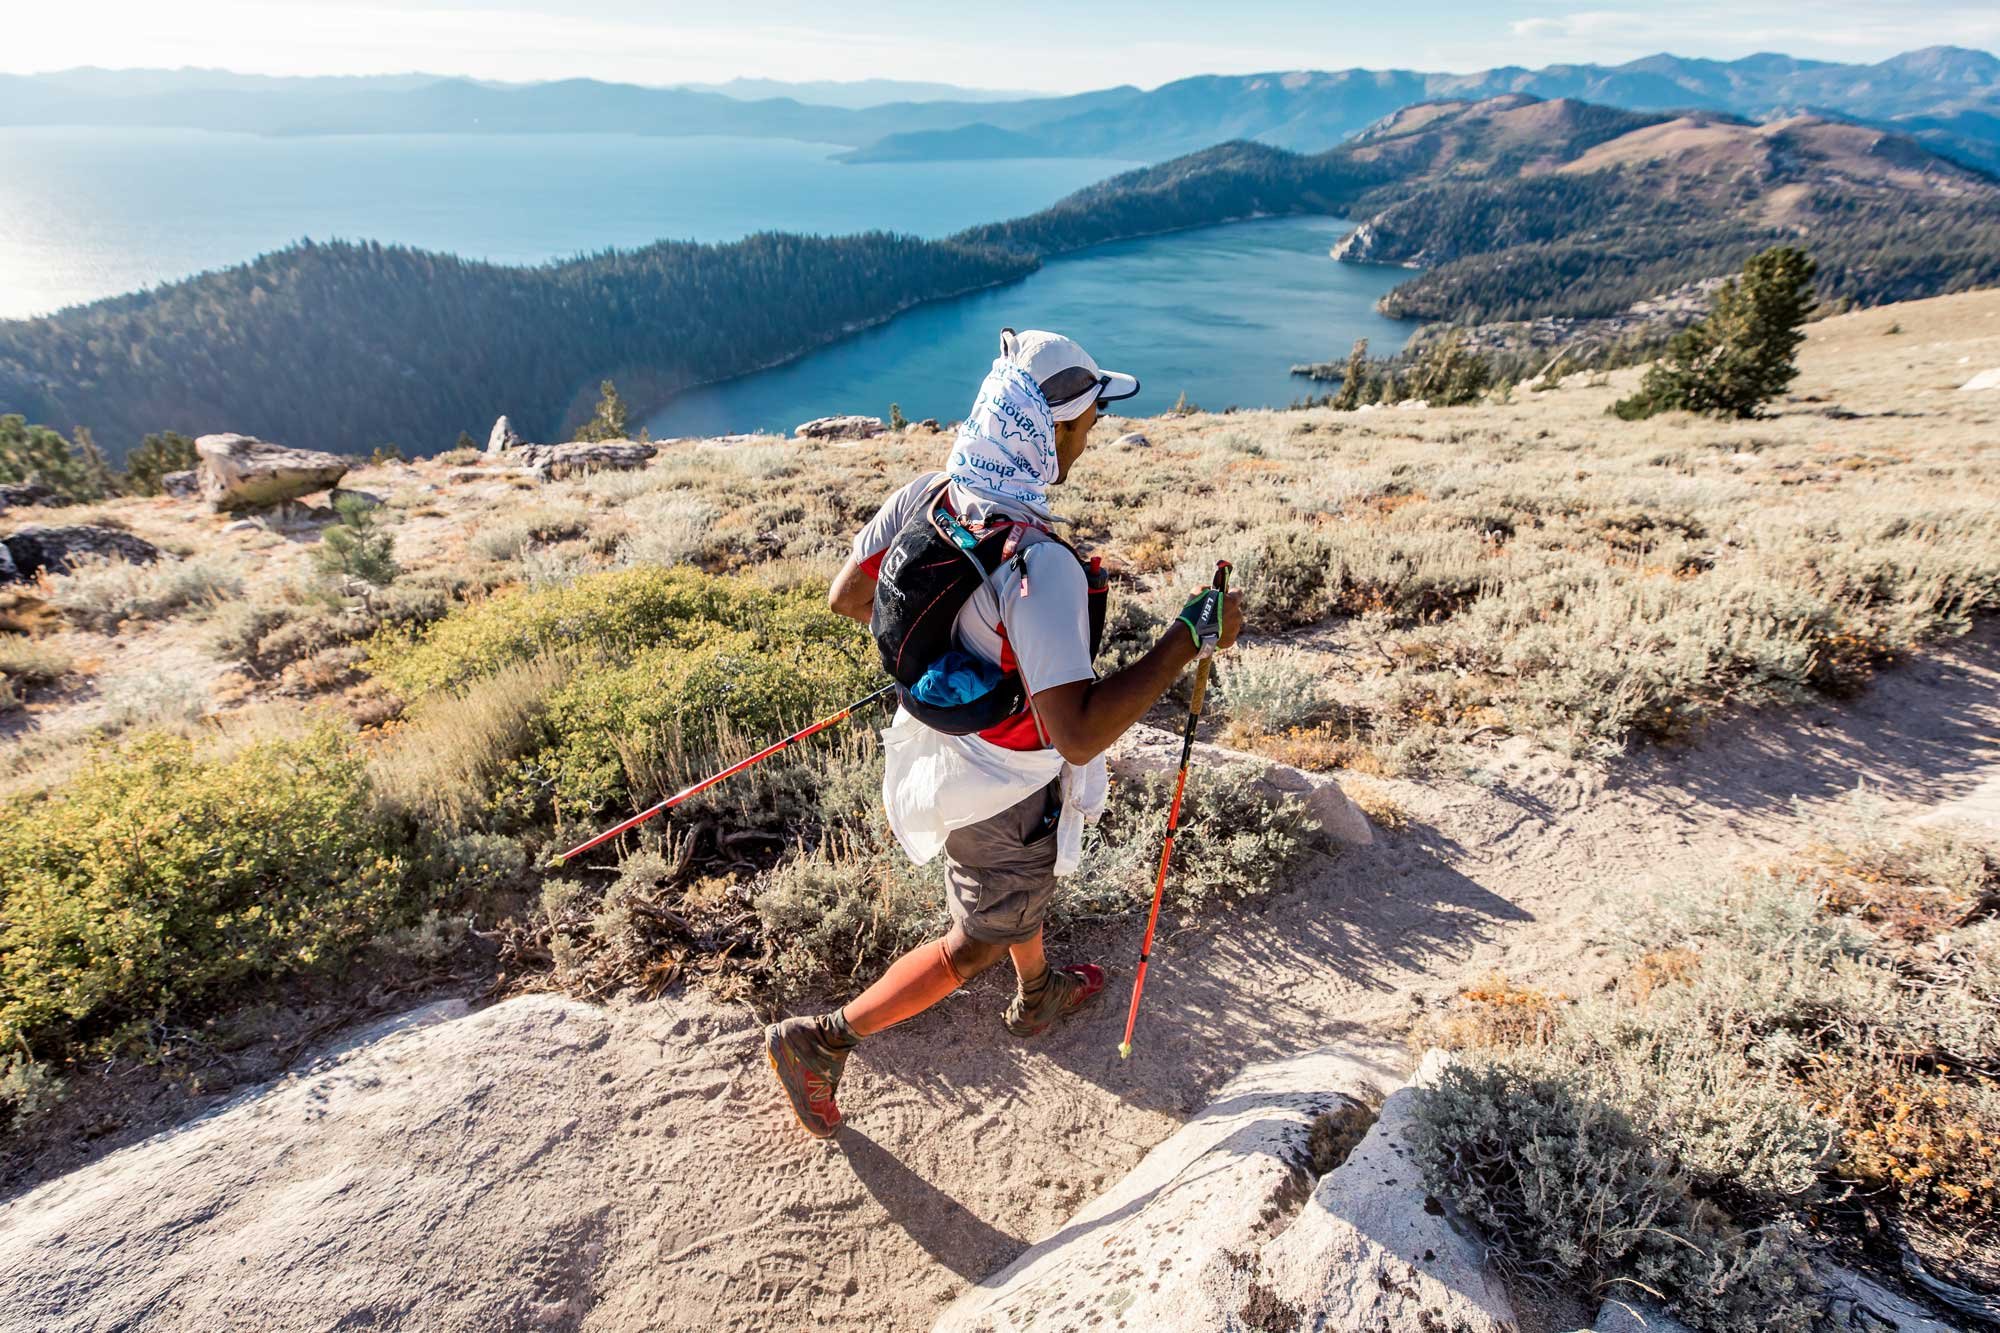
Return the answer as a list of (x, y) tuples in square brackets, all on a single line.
[(1221, 584)]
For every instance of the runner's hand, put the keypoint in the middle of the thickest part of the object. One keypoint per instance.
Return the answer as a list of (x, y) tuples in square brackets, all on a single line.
[(1213, 620)]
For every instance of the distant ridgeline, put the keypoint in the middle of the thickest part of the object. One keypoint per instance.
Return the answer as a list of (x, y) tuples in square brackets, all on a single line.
[(1511, 207)]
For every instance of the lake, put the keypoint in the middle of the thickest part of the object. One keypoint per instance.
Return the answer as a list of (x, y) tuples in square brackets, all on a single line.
[(1220, 314), (95, 212)]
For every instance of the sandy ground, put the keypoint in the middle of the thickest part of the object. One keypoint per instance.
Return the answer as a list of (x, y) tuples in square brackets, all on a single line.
[(544, 1164)]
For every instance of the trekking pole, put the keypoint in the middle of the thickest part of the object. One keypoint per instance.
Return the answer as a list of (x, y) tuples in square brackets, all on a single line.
[(1173, 821), (731, 771)]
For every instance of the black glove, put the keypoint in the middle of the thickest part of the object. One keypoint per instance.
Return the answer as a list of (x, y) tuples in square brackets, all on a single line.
[(1203, 617)]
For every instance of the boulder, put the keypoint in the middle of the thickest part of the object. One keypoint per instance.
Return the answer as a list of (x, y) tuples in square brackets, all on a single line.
[(930, 424), (1860, 1302), (1133, 439), (1176, 1244), (562, 460), (241, 472), (365, 499), (20, 494), (1372, 1249), (35, 549), (8, 572), (1985, 379), (1146, 749), (502, 438), (182, 485), (840, 428)]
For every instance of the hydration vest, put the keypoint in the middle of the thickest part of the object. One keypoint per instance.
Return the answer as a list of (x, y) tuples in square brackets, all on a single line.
[(928, 573)]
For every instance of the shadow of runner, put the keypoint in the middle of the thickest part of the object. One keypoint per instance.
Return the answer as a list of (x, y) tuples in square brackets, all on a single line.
[(947, 1230)]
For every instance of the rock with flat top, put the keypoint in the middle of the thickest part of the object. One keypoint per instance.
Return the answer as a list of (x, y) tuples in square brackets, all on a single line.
[(502, 438), (32, 550), (1177, 1243), (241, 472), (1145, 749), (578, 456), (840, 428)]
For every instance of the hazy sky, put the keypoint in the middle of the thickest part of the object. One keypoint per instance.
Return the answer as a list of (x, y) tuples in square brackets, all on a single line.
[(1026, 44)]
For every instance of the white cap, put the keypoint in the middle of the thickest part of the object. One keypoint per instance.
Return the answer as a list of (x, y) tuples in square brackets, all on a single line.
[(1068, 377)]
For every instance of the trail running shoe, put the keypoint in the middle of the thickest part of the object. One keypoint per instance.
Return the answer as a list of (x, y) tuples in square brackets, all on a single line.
[(1069, 989), (809, 1071)]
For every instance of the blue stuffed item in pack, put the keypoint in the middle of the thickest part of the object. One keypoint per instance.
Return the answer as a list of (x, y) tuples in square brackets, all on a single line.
[(956, 678)]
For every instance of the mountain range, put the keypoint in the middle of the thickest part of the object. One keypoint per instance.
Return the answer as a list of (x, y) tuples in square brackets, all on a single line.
[(1512, 206), (1945, 97)]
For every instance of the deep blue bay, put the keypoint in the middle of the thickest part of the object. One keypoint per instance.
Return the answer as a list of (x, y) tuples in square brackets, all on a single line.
[(1218, 314)]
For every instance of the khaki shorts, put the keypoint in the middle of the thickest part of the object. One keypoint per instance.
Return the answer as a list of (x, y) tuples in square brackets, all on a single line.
[(1000, 873)]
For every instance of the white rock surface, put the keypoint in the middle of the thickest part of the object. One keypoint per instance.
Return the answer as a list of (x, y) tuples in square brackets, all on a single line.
[(1373, 1250), (1132, 440), (1985, 379), (241, 472), (1148, 749), (1167, 1246), (562, 460), (840, 428), (501, 438)]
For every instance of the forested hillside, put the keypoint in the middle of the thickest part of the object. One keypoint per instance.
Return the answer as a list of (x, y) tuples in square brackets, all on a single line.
[(348, 346)]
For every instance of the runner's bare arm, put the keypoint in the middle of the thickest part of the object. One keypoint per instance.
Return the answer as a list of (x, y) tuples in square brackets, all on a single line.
[(853, 593), (1083, 717)]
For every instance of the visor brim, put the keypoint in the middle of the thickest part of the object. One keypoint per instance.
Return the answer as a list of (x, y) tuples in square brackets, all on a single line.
[(1119, 387)]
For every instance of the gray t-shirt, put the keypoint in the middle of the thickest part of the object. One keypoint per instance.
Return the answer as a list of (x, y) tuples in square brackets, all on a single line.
[(1047, 613)]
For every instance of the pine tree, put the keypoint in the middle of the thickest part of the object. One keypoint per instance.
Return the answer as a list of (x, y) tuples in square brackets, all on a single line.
[(156, 456), (354, 547), (897, 421), (37, 454), (1742, 355), (1447, 372), (608, 421), (1354, 378)]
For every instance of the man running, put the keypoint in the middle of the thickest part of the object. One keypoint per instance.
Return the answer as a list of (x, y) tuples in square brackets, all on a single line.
[(1028, 426)]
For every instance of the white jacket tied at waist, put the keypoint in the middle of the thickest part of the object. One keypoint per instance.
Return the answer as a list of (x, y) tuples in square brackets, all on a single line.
[(933, 783)]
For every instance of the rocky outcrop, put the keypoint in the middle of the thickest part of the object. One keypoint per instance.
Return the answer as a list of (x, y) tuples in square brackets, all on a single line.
[(241, 472), (840, 428), (562, 460), (33, 550), (21, 494), (502, 438), (1985, 379), (181, 485), (1146, 749), (1224, 1225)]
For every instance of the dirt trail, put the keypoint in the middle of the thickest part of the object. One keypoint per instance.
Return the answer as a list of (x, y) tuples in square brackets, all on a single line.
[(549, 1165)]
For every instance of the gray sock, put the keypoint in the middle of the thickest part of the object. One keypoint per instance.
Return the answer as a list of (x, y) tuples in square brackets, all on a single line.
[(835, 1031)]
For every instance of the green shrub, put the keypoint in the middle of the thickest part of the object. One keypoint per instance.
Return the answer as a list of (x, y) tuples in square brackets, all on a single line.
[(613, 614), (100, 592), (1273, 689), (505, 537), (1233, 842), (158, 878), (1568, 1189), (33, 662), (844, 909), (621, 729), (27, 1088), (156, 456), (1281, 571)]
